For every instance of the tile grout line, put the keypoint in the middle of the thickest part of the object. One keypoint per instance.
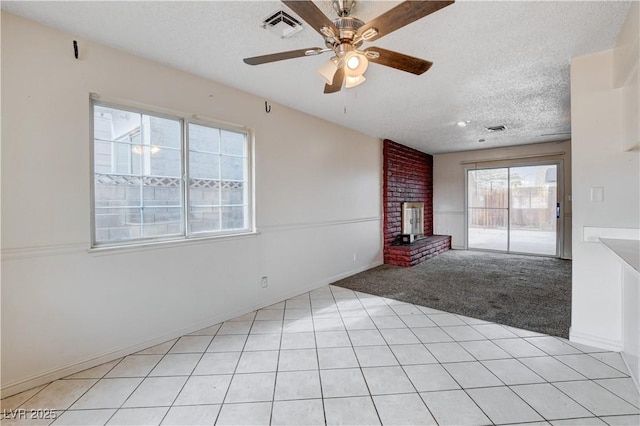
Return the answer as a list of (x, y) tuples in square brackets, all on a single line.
[(275, 381), (447, 371), (315, 339), (76, 400), (438, 362), (400, 364), (190, 375), (235, 369), (516, 358), (476, 360), (597, 360), (356, 356), (141, 381)]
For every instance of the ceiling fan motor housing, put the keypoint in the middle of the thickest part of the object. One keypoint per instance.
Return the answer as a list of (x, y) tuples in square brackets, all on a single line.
[(344, 7), (347, 28)]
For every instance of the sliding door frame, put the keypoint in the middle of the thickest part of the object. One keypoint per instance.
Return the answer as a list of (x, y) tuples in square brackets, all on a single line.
[(507, 165)]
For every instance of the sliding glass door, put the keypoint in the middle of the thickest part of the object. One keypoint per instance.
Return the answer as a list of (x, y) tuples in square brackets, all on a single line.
[(488, 203), (513, 209), (533, 202)]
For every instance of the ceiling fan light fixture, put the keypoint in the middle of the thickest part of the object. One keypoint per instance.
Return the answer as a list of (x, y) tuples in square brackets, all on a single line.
[(328, 70), (353, 81), (355, 64)]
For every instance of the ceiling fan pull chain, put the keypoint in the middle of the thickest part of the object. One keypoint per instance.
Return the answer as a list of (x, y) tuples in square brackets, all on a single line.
[(344, 102)]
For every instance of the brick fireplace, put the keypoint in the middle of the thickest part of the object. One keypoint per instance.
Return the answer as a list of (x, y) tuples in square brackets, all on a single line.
[(408, 178)]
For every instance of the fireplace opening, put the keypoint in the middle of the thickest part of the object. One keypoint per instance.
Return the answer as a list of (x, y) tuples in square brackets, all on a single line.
[(412, 221)]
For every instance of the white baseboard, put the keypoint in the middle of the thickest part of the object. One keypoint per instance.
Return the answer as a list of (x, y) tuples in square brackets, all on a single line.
[(595, 341), (339, 277), (67, 370), (636, 380)]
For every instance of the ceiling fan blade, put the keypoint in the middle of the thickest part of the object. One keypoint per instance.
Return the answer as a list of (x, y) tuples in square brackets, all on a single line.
[(281, 56), (401, 15), (399, 61), (310, 13), (336, 84)]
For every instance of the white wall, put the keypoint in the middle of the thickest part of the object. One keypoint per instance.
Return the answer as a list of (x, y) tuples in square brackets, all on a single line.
[(449, 184), (626, 75), (318, 192), (601, 159)]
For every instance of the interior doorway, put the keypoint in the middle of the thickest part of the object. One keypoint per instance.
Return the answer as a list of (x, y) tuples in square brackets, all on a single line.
[(514, 209)]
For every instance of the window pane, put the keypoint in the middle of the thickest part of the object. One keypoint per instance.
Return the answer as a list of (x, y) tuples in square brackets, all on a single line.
[(123, 158), (164, 162), (136, 159), (232, 168), (113, 132), (233, 143), (232, 193), (164, 132), (488, 229), (162, 221), (205, 166), (102, 157), (204, 192), (218, 179), (488, 214), (203, 138), (114, 124), (488, 188), (204, 219), (137, 182), (117, 191), (117, 224), (162, 192), (233, 217), (533, 209)]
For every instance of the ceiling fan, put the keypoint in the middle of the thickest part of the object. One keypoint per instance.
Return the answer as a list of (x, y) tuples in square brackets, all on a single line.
[(345, 35)]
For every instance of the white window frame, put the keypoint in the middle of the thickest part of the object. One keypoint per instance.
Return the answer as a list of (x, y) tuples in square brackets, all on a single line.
[(185, 120)]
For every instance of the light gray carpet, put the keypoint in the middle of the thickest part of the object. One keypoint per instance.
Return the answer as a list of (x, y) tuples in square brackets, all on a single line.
[(527, 292)]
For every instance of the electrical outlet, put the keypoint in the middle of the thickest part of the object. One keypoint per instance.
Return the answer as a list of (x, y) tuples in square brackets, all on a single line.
[(264, 282)]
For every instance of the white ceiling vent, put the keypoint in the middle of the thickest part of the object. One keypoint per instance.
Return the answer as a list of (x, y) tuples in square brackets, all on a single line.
[(281, 23)]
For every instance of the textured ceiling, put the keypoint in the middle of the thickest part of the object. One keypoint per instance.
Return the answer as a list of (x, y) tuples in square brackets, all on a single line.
[(495, 63)]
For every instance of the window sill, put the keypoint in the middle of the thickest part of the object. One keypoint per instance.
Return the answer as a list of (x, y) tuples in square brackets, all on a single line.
[(165, 244)]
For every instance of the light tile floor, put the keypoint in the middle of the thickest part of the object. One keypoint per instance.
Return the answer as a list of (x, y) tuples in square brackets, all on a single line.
[(334, 356)]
